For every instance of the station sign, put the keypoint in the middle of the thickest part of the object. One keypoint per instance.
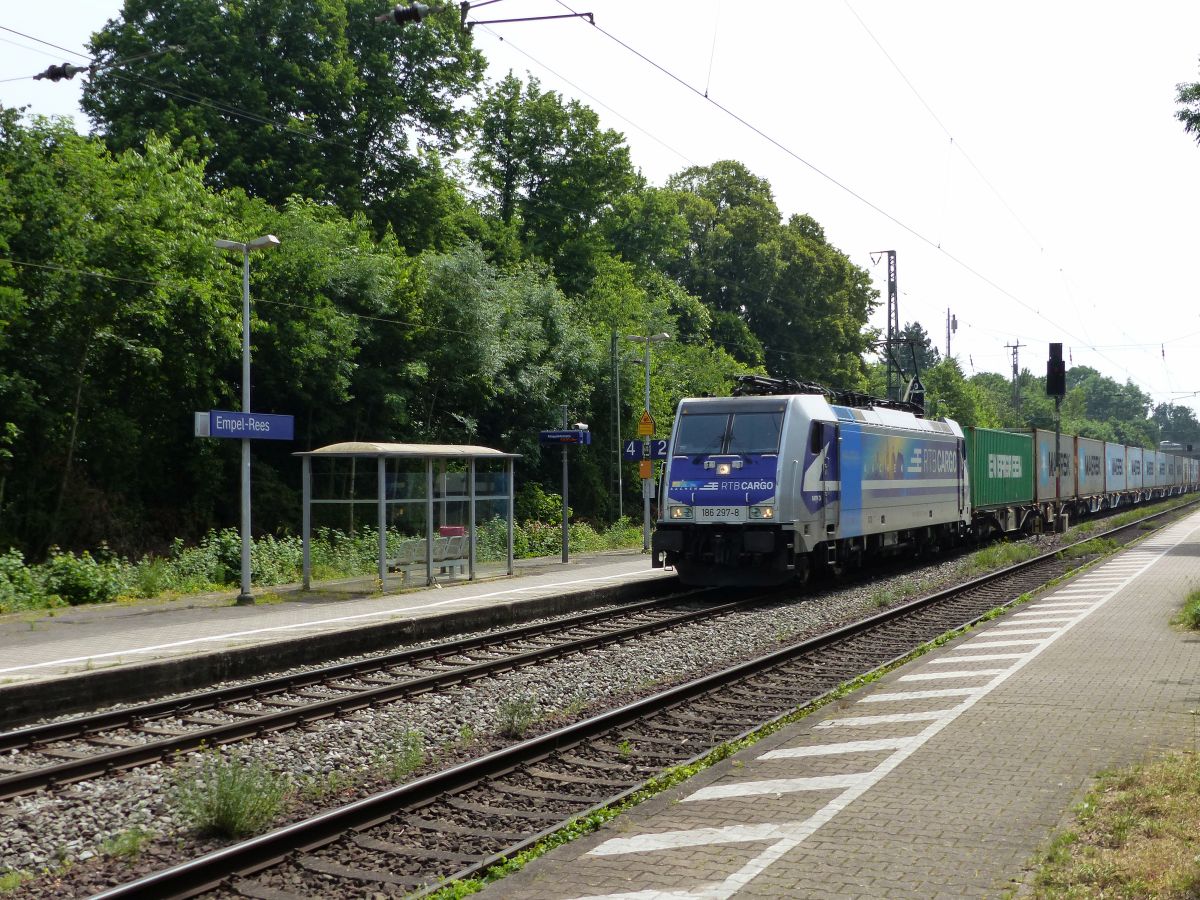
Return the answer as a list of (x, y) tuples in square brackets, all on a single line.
[(565, 436), (635, 450), (220, 423)]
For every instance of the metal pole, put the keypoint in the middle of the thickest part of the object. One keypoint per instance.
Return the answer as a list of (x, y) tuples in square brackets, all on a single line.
[(646, 482), (245, 598), (620, 459), (306, 519), (381, 517), (1057, 466), (471, 518), (510, 477), (565, 527)]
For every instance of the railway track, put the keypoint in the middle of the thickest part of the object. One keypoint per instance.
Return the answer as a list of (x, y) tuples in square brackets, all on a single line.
[(458, 822), (55, 754)]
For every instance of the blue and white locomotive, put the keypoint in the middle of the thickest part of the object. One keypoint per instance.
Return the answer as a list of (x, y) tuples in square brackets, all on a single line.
[(763, 486)]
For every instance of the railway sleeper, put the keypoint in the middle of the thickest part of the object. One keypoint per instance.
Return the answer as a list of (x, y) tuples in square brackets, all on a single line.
[(571, 778), (502, 812), (440, 827), (375, 844), (258, 891), (353, 873), (531, 793)]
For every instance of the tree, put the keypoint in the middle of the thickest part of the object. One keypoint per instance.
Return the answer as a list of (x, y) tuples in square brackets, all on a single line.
[(801, 300), (115, 331), (1188, 98), (280, 98), (550, 173)]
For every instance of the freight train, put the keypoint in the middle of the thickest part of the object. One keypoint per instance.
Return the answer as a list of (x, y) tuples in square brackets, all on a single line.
[(782, 478)]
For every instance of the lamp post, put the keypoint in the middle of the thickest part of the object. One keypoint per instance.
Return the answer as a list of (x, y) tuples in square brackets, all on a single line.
[(266, 242), (647, 483)]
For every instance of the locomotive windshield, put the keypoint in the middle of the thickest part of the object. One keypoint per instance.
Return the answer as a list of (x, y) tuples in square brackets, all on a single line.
[(747, 432)]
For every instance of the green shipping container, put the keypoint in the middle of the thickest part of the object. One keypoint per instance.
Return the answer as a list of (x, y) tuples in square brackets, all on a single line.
[(1000, 464)]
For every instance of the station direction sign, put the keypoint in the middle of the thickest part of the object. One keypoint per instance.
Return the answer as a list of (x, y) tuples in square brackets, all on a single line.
[(221, 423), (635, 450), (564, 436)]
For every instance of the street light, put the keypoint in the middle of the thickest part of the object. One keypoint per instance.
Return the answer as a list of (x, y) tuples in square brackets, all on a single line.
[(647, 483), (266, 242)]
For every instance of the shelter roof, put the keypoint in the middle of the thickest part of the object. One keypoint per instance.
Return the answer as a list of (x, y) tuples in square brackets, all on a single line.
[(410, 451)]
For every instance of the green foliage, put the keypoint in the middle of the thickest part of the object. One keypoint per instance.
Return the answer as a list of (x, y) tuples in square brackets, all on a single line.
[(1094, 547), (230, 796), (516, 715), (403, 754), (11, 879), (82, 579), (329, 104), (128, 844), (1189, 616), (999, 555)]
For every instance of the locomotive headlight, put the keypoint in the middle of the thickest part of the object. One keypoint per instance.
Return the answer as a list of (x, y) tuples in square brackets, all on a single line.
[(724, 468), (681, 512), (762, 512)]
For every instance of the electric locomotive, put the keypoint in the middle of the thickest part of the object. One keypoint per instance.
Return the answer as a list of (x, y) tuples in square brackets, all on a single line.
[(763, 486)]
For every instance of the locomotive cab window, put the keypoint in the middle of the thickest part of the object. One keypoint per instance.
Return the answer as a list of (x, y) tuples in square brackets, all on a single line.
[(744, 432), (701, 433), (755, 432)]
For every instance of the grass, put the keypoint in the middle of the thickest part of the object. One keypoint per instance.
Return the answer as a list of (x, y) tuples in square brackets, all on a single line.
[(997, 556), (1094, 547), (404, 754), (230, 796), (11, 879), (1137, 834), (516, 715), (128, 844), (1189, 616)]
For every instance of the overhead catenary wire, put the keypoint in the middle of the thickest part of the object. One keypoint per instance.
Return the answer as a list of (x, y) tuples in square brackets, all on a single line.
[(894, 219)]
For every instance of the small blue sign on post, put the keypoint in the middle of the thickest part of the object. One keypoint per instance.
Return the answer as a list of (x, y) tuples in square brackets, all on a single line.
[(636, 450), (254, 426), (564, 436)]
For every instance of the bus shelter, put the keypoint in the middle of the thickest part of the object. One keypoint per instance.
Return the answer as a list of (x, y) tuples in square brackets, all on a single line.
[(427, 501)]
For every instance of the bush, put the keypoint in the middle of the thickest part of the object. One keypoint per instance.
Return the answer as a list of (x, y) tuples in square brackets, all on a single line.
[(19, 589), (82, 579), (229, 796)]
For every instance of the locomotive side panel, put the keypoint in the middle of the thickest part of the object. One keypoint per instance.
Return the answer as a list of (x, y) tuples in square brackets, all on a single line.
[(893, 479)]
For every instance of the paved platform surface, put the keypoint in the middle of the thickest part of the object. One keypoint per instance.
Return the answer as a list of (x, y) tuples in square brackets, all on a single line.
[(37, 650), (943, 779)]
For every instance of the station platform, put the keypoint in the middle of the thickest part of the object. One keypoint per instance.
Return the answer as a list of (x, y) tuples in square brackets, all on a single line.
[(942, 779), (69, 659)]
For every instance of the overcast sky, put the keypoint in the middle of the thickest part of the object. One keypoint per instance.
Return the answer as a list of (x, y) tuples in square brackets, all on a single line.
[(1024, 161)]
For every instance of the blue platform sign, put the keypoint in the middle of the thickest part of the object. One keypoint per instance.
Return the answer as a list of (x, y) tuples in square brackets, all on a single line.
[(565, 436), (256, 426), (636, 450)]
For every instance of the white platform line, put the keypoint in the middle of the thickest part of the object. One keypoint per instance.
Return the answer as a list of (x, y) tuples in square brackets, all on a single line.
[(1014, 632), (901, 696), (978, 657), (932, 715), (1066, 604), (1049, 615), (778, 786), (376, 614), (838, 749), (956, 673), (978, 644), (785, 836)]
